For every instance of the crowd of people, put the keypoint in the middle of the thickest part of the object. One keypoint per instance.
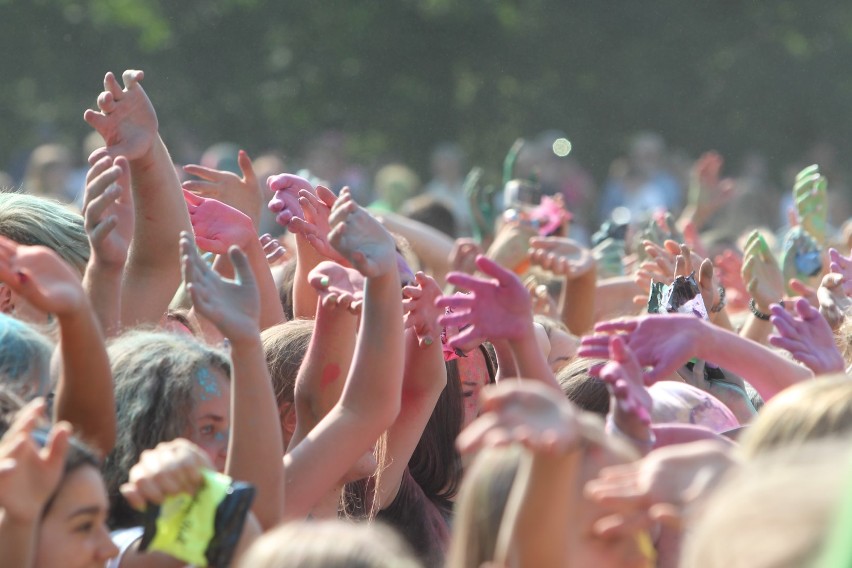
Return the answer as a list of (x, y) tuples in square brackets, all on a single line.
[(223, 364)]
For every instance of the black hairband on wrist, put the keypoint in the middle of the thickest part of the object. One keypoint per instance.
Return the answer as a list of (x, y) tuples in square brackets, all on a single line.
[(757, 313), (720, 305)]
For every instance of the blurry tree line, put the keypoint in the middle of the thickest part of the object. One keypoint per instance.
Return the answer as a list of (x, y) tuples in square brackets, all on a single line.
[(402, 75)]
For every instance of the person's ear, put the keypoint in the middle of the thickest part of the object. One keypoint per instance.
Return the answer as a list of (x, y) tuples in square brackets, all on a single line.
[(6, 303), (287, 418)]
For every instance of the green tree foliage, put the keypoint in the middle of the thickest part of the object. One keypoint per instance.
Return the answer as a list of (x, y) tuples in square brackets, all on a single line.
[(401, 75)]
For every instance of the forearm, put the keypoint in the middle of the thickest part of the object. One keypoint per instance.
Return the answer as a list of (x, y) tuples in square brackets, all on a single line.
[(255, 447), (614, 297), (532, 364), (756, 329), (271, 310), (153, 270), (548, 510), (506, 367), (721, 319), (324, 369), (18, 542), (431, 246), (768, 372), (84, 393), (577, 305), (425, 377), (304, 295), (103, 288), (375, 382)]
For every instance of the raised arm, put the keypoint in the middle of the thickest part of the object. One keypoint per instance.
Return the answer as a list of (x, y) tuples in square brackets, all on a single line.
[(430, 245), (541, 517), (29, 475), (576, 265), (370, 400), (255, 446), (218, 227), (109, 222), (498, 307), (84, 395), (245, 194), (666, 342), (127, 122), (425, 377), (328, 358)]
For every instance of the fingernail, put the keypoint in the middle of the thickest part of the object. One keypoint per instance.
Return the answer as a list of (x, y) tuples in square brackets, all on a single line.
[(324, 281)]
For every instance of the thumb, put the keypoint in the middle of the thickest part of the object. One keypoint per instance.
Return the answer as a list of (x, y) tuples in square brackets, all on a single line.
[(245, 164), (705, 273), (243, 270)]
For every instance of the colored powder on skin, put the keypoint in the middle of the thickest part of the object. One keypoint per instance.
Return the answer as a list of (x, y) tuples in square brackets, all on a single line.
[(209, 385), (222, 436), (330, 373)]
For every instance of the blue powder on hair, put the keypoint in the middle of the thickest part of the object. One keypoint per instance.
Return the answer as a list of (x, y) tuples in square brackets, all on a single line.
[(209, 385)]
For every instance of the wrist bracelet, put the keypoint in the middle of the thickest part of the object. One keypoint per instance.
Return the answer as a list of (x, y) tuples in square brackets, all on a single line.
[(757, 313), (613, 429), (720, 305)]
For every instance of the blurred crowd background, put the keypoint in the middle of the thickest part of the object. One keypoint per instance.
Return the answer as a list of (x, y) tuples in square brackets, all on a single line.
[(638, 90)]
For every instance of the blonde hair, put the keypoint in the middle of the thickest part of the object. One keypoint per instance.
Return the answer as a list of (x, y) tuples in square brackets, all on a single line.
[(775, 512), (31, 220), (484, 494), (816, 409), (329, 544)]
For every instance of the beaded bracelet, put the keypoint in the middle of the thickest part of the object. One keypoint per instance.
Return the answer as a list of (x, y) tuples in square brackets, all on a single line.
[(757, 313)]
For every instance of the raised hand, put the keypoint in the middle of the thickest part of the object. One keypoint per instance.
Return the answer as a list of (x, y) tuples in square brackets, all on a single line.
[(217, 226), (421, 312), (511, 245), (314, 225), (463, 255), (803, 290), (232, 305), (801, 256), (285, 202), (810, 193), (29, 473), (498, 307), (41, 277), (834, 304), (562, 256), (672, 476), (172, 467), (663, 342), (126, 119), (244, 193), (630, 402), (808, 337), (729, 266), (672, 260), (527, 412), (761, 273), (360, 238), (842, 265), (707, 194), (338, 286), (275, 253), (108, 210)]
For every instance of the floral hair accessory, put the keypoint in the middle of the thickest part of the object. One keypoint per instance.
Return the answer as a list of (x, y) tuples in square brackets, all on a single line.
[(551, 214)]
